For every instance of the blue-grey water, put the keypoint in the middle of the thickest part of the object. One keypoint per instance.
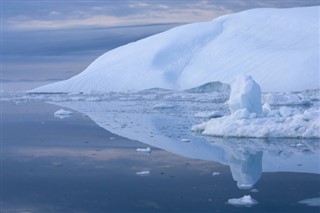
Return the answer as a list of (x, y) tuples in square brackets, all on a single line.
[(73, 165)]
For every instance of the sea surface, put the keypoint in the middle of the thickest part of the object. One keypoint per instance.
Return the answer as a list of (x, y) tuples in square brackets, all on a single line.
[(77, 163)]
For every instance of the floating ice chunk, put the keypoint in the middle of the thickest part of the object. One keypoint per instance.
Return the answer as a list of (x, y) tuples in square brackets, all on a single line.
[(214, 114), (215, 173), (301, 124), (185, 140), (246, 201), (311, 202), (245, 94), (143, 173), (145, 150), (62, 114)]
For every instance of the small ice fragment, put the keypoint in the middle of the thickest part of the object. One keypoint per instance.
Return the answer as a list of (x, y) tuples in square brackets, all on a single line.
[(143, 173), (246, 201), (245, 186), (215, 173), (146, 150), (254, 190), (62, 114), (185, 140), (299, 145), (311, 202)]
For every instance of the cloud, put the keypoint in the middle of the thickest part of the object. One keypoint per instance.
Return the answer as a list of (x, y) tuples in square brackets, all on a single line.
[(54, 13), (102, 16)]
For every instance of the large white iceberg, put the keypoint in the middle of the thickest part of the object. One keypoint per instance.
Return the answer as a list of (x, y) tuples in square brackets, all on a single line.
[(277, 47)]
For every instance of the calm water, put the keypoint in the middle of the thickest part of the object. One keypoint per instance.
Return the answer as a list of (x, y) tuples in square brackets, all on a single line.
[(73, 165)]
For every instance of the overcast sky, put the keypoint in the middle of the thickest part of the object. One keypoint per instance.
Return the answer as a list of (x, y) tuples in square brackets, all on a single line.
[(44, 41)]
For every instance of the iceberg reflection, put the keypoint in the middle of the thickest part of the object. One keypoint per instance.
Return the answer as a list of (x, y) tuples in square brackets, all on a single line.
[(167, 128)]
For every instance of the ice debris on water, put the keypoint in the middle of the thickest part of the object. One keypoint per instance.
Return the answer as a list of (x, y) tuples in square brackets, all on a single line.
[(143, 173), (215, 173), (62, 113), (246, 201), (311, 202), (145, 150)]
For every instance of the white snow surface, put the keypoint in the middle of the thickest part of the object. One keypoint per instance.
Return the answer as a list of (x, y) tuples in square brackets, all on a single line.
[(279, 48), (246, 200), (245, 94)]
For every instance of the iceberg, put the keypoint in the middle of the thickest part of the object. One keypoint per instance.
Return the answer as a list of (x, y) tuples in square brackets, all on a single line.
[(218, 50)]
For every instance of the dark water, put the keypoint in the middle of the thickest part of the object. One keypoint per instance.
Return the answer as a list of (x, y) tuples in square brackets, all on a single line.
[(72, 165)]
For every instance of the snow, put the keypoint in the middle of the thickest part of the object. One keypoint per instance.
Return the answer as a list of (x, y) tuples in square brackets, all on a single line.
[(145, 150), (246, 200), (245, 94), (61, 113), (279, 48)]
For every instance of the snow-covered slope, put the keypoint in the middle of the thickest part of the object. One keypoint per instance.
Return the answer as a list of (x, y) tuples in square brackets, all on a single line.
[(279, 48)]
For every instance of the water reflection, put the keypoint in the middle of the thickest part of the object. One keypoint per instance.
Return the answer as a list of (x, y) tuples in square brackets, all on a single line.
[(168, 128)]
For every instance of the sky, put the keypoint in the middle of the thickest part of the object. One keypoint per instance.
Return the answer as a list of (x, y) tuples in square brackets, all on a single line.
[(45, 41)]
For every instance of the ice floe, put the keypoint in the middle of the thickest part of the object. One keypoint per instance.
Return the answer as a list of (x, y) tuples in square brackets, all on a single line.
[(246, 201), (311, 201), (61, 113), (144, 150), (248, 119), (143, 173)]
